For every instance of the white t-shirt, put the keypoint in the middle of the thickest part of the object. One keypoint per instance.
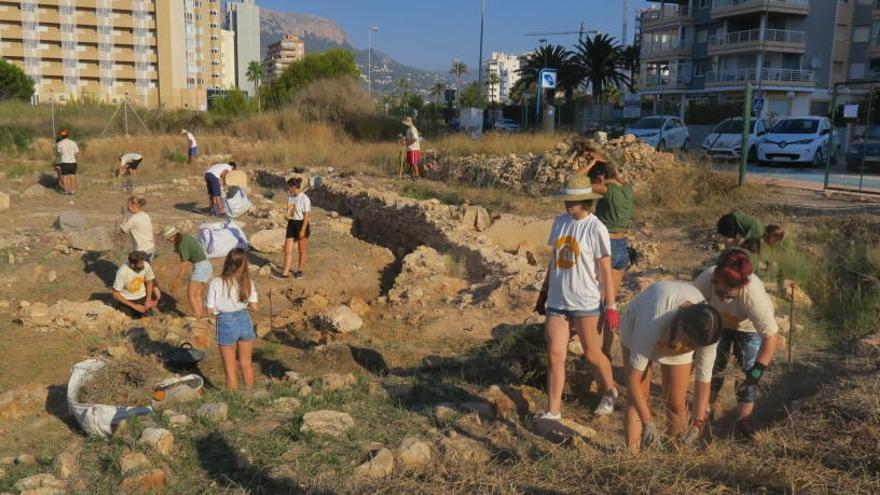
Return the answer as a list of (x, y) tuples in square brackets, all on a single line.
[(645, 326), (218, 168), (129, 157), (222, 298), (751, 312), (298, 206), (67, 151), (413, 133), (140, 226), (574, 272), (192, 140), (132, 284)]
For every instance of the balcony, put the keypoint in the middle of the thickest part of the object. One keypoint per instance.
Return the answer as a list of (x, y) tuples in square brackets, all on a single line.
[(769, 77), (672, 80), (671, 48), (729, 8), (667, 16), (774, 40)]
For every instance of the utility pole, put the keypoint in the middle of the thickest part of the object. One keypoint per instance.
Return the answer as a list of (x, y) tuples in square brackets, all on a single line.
[(624, 35), (480, 68), (370, 32)]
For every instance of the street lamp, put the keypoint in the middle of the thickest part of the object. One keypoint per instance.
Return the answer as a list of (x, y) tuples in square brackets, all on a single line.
[(370, 32)]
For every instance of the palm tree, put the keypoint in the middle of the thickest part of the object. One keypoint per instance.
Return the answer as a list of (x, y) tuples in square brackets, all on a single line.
[(254, 74), (631, 56), (438, 90), (458, 70), (600, 63), (552, 57), (493, 81)]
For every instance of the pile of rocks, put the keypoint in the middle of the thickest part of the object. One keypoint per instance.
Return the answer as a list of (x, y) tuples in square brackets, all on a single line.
[(89, 315), (633, 159)]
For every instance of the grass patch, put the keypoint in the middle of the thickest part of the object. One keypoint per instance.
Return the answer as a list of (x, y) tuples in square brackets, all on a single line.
[(422, 192), (496, 144)]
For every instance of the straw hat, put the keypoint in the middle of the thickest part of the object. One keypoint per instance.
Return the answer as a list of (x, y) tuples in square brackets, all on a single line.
[(407, 121), (577, 188), (169, 232), (183, 131)]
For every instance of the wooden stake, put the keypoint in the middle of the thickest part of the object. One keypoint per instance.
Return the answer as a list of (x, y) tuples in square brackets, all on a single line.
[(271, 326), (791, 323)]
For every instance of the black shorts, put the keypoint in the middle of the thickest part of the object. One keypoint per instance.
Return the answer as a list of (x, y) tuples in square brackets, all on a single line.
[(727, 226), (136, 315), (67, 168), (134, 164), (294, 227)]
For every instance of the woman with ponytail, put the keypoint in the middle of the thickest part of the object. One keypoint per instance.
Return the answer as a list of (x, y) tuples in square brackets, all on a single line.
[(750, 328), (230, 296)]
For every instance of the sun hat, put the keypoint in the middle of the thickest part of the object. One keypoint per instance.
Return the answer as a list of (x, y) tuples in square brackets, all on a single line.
[(169, 232), (183, 131), (577, 188), (64, 133), (407, 121)]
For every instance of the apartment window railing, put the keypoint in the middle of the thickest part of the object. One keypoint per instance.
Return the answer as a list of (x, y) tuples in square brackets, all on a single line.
[(666, 46), (670, 11), (774, 35), (767, 74), (732, 3)]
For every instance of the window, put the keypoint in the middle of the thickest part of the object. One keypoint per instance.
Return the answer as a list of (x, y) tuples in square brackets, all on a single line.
[(857, 71), (819, 107), (861, 34), (704, 4), (699, 70), (702, 35)]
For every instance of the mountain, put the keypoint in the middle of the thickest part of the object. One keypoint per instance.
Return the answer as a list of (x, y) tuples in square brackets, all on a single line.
[(322, 34)]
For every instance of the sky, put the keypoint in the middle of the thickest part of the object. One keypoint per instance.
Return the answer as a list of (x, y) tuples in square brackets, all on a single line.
[(428, 34)]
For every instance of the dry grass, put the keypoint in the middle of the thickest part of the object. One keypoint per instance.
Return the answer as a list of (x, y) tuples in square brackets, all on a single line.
[(126, 382), (495, 144)]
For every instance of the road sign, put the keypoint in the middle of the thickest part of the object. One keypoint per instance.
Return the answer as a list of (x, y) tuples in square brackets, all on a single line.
[(548, 78), (851, 111)]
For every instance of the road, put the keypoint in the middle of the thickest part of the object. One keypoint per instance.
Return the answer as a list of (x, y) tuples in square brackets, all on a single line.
[(812, 178)]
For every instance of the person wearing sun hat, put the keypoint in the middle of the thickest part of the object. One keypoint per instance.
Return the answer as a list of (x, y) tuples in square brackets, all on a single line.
[(191, 254), (193, 146), (413, 147), (577, 286)]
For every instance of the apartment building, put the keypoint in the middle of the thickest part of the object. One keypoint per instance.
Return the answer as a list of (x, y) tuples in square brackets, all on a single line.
[(227, 50), (243, 17), (505, 67), (280, 54), (155, 52), (792, 51)]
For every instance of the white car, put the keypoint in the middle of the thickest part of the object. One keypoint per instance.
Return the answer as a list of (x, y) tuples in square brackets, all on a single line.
[(805, 140), (726, 139), (506, 125), (673, 135)]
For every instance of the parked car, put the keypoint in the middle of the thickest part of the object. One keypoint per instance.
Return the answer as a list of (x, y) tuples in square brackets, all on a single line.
[(806, 140), (865, 147), (674, 134), (509, 125), (726, 138)]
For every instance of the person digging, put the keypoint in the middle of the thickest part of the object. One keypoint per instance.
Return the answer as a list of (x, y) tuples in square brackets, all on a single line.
[(134, 286), (192, 254)]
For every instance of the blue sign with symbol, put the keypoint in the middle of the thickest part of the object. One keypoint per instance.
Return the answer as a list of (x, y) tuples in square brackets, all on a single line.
[(548, 78)]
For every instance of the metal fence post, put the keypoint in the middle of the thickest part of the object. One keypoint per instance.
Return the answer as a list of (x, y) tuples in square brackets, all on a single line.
[(747, 120)]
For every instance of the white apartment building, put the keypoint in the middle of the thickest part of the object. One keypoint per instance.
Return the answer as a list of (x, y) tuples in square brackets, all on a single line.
[(506, 67)]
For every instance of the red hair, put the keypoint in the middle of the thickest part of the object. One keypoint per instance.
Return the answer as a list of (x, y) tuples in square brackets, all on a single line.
[(734, 268)]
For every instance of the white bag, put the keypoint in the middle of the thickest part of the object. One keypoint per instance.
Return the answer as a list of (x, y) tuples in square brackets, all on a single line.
[(97, 420), (219, 238), (236, 202)]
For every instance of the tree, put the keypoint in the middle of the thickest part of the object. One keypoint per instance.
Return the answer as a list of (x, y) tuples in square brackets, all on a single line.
[(438, 90), (630, 60), (331, 64), (254, 74), (599, 63), (550, 56), (493, 82), (471, 96), (458, 70), (14, 83)]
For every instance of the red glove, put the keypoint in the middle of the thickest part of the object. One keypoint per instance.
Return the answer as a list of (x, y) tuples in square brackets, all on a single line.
[(612, 318)]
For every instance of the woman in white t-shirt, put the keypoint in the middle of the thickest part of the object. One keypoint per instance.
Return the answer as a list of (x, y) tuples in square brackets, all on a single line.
[(299, 228), (670, 323), (139, 226), (578, 281), (230, 296)]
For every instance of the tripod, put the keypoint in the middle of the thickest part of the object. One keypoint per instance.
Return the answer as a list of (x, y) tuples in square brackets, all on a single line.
[(125, 106)]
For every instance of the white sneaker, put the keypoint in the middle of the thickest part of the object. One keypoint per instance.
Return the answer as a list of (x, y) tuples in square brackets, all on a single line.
[(551, 416), (606, 404)]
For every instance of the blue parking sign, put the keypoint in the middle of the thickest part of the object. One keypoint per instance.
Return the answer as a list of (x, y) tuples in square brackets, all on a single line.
[(548, 78)]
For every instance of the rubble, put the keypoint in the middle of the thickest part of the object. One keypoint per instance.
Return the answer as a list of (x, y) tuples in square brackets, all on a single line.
[(380, 465), (332, 423)]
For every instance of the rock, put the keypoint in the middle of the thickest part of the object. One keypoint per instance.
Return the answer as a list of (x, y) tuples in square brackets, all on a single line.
[(133, 461), (93, 239), (336, 381), (215, 411), (36, 310), (868, 346), (34, 191), (332, 423), (70, 221), (178, 395), (46, 490), (293, 378), (340, 319), (461, 449), (144, 483), (525, 397), (380, 465), (414, 452), (179, 420), (269, 241), (400, 391), (66, 465), (265, 271), (4, 201), (286, 404), (444, 412), (476, 218), (358, 305), (52, 276), (304, 391), (43, 480), (575, 347), (561, 430), (503, 404), (25, 460), (159, 439), (483, 409)]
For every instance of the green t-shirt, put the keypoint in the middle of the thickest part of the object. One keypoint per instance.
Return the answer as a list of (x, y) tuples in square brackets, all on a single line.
[(616, 207), (190, 250), (748, 227)]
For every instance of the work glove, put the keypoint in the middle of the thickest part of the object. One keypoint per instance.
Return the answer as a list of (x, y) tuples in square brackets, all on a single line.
[(753, 376), (541, 304), (694, 432), (612, 318), (650, 435)]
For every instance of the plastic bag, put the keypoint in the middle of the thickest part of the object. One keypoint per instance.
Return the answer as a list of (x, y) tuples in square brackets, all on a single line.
[(97, 420), (236, 202), (219, 238)]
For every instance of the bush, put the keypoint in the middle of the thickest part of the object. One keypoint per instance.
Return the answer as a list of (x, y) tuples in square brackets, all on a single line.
[(337, 101), (331, 64), (14, 83), (15, 139), (374, 128)]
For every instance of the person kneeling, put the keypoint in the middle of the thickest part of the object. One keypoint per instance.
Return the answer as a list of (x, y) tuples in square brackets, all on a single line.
[(134, 282), (670, 323)]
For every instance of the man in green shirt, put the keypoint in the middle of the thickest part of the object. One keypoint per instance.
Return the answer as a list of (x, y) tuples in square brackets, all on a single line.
[(191, 254)]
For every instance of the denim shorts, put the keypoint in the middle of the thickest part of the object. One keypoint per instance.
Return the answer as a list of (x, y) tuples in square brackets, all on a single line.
[(194, 151), (574, 313), (233, 327), (202, 271), (745, 347), (619, 254), (212, 184)]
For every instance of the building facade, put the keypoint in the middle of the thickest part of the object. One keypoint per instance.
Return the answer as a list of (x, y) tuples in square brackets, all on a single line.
[(282, 53), (243, 17), (111, 50), (504, 68), (792, 51), (227, 49)]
